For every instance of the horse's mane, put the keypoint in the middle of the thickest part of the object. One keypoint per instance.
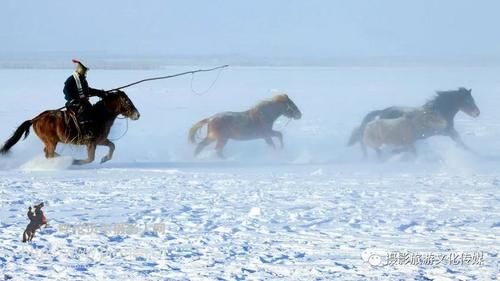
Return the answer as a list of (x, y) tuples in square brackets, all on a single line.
[(109, 95), (100, 103), (99, 108), (265, 103), (444, 99), (461, 89)]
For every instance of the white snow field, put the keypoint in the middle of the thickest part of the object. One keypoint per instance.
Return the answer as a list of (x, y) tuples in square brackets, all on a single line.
[(313, 211)]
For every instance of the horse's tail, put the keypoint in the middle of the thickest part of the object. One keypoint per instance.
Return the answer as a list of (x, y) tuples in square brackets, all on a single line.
[(357, 133), (23, 129), (195, 128), (355, 136)]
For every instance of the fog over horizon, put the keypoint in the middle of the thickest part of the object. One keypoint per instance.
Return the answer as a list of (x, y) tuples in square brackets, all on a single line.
[(257, 32)]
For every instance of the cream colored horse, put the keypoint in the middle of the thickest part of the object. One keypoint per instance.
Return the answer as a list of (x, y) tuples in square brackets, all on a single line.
[(400, 132)]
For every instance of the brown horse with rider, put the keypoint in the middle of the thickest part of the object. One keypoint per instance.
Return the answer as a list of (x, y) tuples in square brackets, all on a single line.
[(56, 126)]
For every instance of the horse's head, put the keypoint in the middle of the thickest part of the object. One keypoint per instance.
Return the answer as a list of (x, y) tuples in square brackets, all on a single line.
[(467, 103), (291, 110), (119, 103), (39, 206)]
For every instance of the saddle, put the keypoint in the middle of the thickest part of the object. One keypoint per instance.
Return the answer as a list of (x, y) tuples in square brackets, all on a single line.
[(77, 118), (71, 121), (77, 129)]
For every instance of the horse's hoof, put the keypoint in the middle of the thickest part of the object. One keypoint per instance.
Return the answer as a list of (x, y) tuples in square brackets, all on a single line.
[(105, 159)]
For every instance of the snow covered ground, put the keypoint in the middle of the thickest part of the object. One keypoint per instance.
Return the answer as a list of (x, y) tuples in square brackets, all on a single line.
[(311, 211)]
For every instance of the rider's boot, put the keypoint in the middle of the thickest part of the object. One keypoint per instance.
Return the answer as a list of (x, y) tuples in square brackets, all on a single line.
[(86, 129)]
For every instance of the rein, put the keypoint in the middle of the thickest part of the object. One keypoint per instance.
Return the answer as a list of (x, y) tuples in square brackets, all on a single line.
[(126, 129), (126, 124), (286, 124), (289, 118)]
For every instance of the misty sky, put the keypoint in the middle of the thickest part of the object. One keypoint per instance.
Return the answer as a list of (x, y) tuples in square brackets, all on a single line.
[(257, 28)]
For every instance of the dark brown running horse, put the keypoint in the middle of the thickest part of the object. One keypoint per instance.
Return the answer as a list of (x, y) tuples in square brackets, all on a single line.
[(255, 123), (54, 126), (446, 104)]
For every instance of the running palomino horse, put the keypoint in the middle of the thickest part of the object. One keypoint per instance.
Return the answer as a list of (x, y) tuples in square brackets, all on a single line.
[(401, 132), (54, 126), (445, 104), (255, 123)]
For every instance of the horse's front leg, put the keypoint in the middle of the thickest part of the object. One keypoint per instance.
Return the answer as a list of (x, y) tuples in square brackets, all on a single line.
[(270, 142), (279, 135), (219, 146), (363, 149), (111, 147), (453, 134), (412, 149), (91, 155)]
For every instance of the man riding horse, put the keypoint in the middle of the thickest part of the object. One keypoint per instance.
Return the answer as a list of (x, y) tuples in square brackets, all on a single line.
[(52, 126), (77, 93), (36, 222)]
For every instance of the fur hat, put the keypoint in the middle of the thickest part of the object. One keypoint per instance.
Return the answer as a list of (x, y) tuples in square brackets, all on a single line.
[(80, 68)]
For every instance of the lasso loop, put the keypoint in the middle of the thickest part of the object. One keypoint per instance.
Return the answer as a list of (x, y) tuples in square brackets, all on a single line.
[(209, 88)]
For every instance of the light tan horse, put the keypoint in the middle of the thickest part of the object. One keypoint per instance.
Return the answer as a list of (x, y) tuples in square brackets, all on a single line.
[(255, 123), (400, 132)]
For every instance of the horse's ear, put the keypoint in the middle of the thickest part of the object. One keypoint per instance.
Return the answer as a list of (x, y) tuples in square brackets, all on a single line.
[(470, 90), (279, 98)]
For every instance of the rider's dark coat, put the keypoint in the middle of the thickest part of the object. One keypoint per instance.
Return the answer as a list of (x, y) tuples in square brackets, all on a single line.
[(72, 94), (77, 98)]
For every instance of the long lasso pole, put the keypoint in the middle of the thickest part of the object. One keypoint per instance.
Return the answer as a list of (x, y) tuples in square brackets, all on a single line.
[(168, 76)]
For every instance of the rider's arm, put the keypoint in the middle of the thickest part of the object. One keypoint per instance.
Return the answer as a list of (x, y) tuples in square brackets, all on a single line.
[(91, 92), (30, 214), (96, 92)]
